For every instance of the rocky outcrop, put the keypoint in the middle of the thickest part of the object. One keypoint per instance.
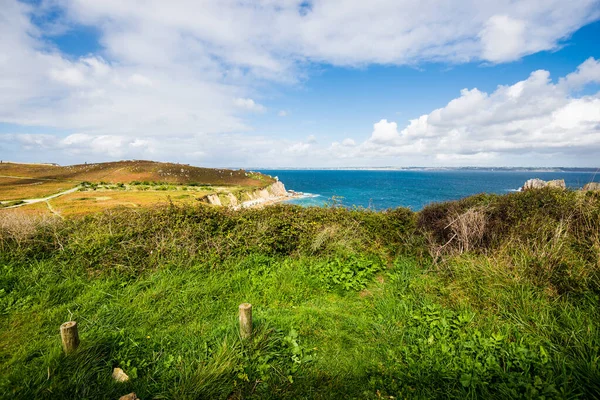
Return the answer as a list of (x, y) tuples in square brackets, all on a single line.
[(557, 183), (532, 184), (233, 201), (592, 186), (540, 184), (272, 192), (276, 189), (213, 199)]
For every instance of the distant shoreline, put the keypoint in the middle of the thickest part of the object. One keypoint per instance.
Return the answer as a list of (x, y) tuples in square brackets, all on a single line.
[(436, 169)]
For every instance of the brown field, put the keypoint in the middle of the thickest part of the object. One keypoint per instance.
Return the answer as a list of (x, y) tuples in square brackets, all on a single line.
[(37, 209), (21, 188), (80, 203), (26, 181)]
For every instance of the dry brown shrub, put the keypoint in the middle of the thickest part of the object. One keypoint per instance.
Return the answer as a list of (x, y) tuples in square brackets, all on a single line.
[(467, 231), (325, 235), (19, 227)]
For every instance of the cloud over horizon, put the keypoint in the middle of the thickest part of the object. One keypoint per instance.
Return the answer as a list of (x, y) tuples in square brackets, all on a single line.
[(533, 115)]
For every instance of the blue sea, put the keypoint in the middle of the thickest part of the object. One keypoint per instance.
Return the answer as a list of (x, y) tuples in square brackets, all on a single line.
[(383, 189)]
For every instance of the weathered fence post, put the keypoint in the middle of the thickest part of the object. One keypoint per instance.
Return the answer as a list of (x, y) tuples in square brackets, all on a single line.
[(69, 336), (245, 320)]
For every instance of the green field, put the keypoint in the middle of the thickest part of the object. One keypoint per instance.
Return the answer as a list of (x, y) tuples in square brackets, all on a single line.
[(488, 297)]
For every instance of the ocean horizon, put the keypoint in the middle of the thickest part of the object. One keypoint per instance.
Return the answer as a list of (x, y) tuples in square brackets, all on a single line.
[(381, 189)]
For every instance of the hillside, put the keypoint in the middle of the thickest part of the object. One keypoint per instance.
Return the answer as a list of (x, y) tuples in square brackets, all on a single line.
[(123, 183), (488, 297), (36, 180)]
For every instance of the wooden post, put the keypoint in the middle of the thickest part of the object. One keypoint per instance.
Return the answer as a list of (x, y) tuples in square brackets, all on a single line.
[(69, 336), (245, 320)]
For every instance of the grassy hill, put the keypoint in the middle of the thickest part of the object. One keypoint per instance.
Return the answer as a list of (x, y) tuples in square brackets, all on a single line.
[(487, 297), (123, 183)]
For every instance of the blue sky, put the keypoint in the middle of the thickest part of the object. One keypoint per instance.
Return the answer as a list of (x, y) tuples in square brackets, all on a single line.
[(301, 84)]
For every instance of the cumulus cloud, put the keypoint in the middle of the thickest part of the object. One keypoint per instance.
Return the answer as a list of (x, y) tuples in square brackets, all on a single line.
[(250, 105), (298, 148), (531, 116), (588, 72), (282, 113), (269, 35), (39, 86), (192, 71)]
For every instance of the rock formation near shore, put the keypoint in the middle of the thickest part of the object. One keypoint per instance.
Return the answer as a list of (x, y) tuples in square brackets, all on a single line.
[(536, 183), (272, 192), (539, 184), (592, 186), (277, 189)]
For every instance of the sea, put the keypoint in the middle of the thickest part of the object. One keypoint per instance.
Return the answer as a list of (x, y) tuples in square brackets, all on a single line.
[(385, 189)]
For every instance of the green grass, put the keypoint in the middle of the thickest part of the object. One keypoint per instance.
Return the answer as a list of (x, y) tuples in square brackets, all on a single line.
[(347, 304)]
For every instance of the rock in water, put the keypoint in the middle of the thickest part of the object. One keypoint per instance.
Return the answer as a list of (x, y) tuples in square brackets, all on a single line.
[(592, 186), (533, 184), (540, 184)]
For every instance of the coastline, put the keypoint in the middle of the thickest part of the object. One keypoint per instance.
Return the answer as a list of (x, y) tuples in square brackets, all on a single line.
[(263, 202)]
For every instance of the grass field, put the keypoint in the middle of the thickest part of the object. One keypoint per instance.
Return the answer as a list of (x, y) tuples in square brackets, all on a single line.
[(347, 303)]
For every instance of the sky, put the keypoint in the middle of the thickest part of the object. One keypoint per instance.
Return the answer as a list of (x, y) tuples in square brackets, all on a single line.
[(288, 83)]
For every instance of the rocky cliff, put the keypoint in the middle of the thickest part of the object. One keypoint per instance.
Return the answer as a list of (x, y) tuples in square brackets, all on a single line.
[(277, 189), (273, 192)]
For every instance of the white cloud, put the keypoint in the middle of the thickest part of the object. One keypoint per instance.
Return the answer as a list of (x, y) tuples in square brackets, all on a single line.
[(298, 148), (269, 35), (282, 113), (138, 79), (588, 72), (385, 132), (534, 116), (250, 105), (191, 71), (504, 38)]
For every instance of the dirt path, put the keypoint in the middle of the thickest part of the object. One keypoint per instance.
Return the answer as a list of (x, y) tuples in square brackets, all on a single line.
[(33, 201)]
